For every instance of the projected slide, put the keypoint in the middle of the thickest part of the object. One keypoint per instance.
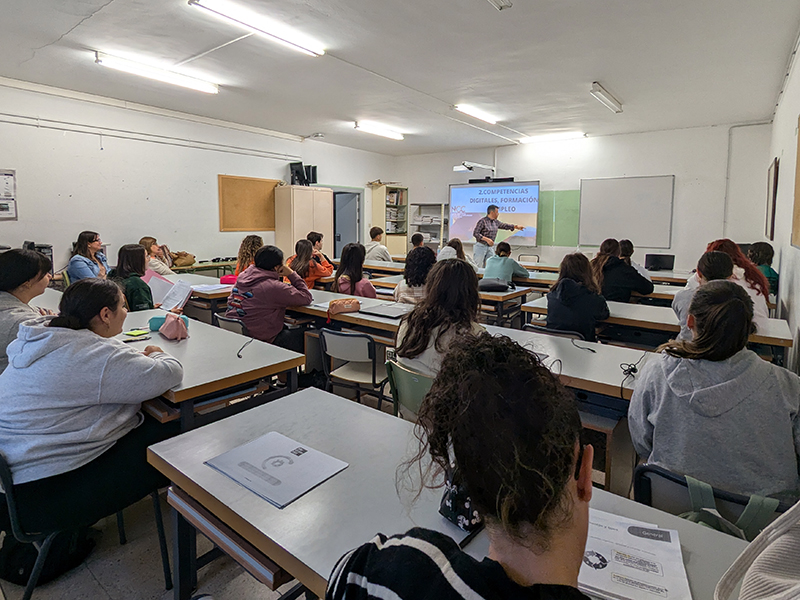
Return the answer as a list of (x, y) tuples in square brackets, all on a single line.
[(518, 204)]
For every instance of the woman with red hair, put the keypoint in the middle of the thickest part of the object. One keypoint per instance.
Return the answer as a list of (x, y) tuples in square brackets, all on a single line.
[(746, 274)]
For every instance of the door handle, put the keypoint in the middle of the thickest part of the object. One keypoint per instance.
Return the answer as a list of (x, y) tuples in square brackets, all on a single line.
[(338, 237)]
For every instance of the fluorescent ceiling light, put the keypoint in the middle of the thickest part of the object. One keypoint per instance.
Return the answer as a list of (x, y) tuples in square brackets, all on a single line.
[(467, 166), (137, 68), (552, 137), (476, 112), (611, 103), (500, 4), (376, 129), (275, 31)]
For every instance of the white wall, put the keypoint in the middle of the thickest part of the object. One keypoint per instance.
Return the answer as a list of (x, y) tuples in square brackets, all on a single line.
[(162, 183), (784, 146), (698, 157)]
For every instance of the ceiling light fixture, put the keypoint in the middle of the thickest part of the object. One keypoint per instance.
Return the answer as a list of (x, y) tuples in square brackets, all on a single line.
[(476, 112), (500, 4), (468, 166), (259, 25), (602, 94), (137, 68), (553, 137), (376, 129)]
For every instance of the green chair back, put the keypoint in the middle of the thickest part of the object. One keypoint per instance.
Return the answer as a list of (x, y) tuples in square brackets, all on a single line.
[(408, 387)]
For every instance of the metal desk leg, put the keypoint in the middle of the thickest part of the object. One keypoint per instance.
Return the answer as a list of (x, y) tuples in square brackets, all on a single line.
[(291, 381), (213, 308), (184, 555), (187, 415)]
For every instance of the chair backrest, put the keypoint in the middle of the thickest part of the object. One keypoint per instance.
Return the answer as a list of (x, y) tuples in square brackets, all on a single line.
[(408, 387), (350, 347), (11, 502), (572, 335), (528, 257), (668, 491), (230, 324), (65, 278)]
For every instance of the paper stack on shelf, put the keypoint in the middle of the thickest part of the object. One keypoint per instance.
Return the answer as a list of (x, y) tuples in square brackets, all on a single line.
[(630, 560)]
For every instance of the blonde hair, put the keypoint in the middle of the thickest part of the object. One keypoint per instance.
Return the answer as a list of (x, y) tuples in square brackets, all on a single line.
[(148, 242), (247, 251)]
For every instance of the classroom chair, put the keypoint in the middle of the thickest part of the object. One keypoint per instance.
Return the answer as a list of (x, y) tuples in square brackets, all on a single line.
[(662, 489), (525, 257), (359, 354), (44, 539), (572, 335), (408, 387), (65, 278), (230, 324)]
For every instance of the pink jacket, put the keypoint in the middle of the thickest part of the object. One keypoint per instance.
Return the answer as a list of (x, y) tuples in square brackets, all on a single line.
[(363, 288), (260, 298)]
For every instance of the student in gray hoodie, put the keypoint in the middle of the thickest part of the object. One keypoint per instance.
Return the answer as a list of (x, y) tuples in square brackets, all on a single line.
[(70, 422), (714, 410), (712, 266)]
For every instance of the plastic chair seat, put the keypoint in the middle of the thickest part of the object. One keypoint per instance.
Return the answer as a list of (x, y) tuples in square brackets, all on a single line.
[(356, 372)]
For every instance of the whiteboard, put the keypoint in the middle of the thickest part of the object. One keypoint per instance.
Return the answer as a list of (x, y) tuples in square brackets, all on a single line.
[(634, 208)]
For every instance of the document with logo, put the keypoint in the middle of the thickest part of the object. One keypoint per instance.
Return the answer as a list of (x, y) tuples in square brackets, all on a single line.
[(631, 560), (277, 468)]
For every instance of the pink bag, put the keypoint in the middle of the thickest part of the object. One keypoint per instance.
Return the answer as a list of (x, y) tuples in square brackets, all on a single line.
[(228, 279), (174, 328)]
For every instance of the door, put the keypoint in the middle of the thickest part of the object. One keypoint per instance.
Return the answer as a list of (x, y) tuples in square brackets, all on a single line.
[(345, 220)]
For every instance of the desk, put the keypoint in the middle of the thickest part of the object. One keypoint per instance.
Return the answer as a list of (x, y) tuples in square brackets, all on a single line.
[(660, 291), (673, 277), (211, 369), (661, 318), (225, 266), (307, 537), (378, 266), (213, 298), (357, 318)]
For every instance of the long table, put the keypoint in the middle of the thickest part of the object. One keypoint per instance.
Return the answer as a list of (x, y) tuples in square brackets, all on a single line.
[(224, 265), (307, 537)]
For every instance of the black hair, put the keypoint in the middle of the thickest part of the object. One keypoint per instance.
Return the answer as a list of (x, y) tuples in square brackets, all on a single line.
[(131, 259), (19, 266), (503, 249), (417, 239), (269, 257), (761, 253), (351, 265), (418, 262), (83, 301), (314, 237), (715, 265), (492, 207), (375, 232), (82, 245)]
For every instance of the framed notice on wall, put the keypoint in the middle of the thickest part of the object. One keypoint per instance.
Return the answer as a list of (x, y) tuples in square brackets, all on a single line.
[(772, 194), (8, 195)]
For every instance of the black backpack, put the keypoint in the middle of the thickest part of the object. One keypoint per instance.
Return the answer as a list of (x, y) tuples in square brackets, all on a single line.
[(69, 549)]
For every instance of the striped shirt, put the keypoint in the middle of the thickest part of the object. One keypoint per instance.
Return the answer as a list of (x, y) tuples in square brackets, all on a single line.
[(487, 227), (425, 564)]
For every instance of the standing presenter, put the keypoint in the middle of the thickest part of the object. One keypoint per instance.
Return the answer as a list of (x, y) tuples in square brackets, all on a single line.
[(485, 232)]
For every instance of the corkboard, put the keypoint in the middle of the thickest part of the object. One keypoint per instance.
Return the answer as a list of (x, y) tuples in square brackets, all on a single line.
[(796, 215), (246, 203)]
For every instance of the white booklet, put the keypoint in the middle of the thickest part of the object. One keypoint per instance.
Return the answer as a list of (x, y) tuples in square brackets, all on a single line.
[(632, 560), (277, 468), (177, 295), (159, 286)]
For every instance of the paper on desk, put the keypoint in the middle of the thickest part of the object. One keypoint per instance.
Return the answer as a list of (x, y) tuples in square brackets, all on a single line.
[(631, 560), (211, 287), (177, 295), (277, 468)]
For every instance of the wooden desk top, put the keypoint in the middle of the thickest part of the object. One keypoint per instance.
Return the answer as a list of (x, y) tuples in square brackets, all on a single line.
[(209, 357), (308, 536), (202, 266), (663, 318)]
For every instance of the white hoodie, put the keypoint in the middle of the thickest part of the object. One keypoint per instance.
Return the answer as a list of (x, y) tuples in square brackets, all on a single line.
[(67, 396), (760, 307), (377, 251)]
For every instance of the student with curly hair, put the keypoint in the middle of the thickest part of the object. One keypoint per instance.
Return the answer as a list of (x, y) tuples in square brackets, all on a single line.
[(412, 288), (247, 252), (513, 433), (448, 309), (713, 409)]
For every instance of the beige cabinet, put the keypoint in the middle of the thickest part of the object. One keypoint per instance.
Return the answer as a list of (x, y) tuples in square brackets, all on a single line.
[(300, 209), (390, 213)]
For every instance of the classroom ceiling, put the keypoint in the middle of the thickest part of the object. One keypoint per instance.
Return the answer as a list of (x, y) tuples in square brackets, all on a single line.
[(404, 63)]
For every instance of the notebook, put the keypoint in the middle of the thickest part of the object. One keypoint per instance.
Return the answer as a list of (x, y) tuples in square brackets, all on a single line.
[(395, 310)]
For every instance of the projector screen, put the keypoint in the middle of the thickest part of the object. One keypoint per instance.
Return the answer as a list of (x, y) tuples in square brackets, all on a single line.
[(518, 203)]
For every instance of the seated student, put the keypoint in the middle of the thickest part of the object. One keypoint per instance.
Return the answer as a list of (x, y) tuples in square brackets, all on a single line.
[(304, 264), (502, 266), (616, 278), (376, 250), (713, 409), (155, 256), (87, 259), (625, 253), (260, 299), (350, 270), (412, 288), (24, 275), (448, 309), (746, 274), (316, 240), (514, 433), (575, 303), (417, 240), (762, 253), (455, 249), (131, 265), (247, 252), (70, 421), (712, 266)]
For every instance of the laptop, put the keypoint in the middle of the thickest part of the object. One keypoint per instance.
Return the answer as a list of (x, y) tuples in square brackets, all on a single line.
[(395, 310), (659, 262)]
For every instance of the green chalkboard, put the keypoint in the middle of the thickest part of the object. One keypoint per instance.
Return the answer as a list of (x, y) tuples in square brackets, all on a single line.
[(559, 213)]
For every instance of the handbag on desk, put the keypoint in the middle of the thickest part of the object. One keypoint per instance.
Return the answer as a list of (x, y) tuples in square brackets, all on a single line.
[(174, 328), (493, 284), (343, 305)]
